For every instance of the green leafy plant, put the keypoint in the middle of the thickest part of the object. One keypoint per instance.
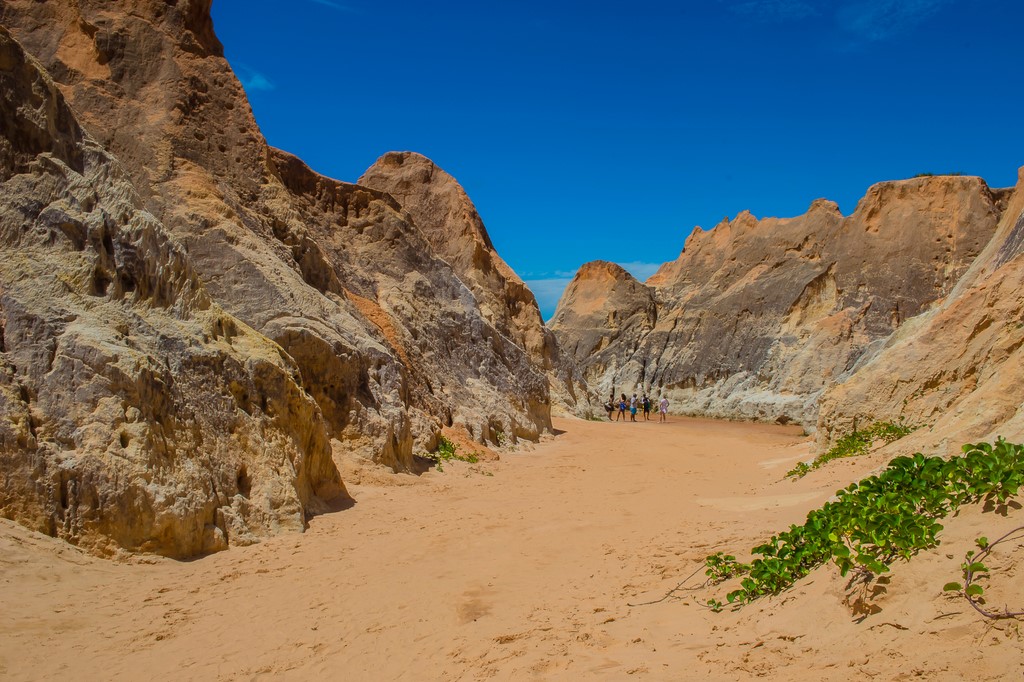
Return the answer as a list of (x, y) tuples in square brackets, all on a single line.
[(715, 605), (973, 568), (800, 470), (721, 567), (878, 520), (853, 444), (447, 451)]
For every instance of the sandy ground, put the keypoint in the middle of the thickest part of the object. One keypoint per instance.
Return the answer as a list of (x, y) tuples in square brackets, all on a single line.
[(524, 568)]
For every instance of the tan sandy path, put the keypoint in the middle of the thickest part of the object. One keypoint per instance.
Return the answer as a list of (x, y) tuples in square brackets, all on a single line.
[(525, 573)]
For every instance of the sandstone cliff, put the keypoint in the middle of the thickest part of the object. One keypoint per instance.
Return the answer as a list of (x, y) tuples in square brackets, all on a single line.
[(134, 411), (333, 272), (756, 318), (956, 369), (603, 310), (329, 286), (443, 212)]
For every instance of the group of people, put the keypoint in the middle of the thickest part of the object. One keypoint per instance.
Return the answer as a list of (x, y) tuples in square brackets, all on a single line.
[(635, 405)]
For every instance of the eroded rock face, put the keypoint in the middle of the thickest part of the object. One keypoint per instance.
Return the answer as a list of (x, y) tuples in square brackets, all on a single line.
[(601, 313), (443, 212), (134, 412), (333, 272), (956, 369), (756, 318), (460, 370), (309, 309)]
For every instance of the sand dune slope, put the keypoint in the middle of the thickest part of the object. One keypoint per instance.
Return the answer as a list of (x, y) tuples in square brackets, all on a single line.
[(524, 568)]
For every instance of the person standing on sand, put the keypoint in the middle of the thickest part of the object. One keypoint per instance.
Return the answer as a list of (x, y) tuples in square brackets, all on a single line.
[(663, 410), (609, 407), (647, 408), (632, 408), (622, 408)]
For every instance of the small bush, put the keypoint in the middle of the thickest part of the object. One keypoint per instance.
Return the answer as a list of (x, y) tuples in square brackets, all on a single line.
[(880, 519), (448, 451), (853, 444)]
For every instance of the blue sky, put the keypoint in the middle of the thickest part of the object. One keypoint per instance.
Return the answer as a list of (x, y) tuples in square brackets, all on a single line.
[(607, 130)]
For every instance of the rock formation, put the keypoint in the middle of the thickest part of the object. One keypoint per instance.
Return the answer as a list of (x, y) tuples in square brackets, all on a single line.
[(603, 309), (756, 318), (447, 218), (332, 271), (955, 370), (192, 323), (345, 322), (134, 411)]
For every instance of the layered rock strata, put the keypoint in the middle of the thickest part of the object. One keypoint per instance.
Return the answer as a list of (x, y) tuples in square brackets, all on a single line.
[(333, 272), (134, 412), (446, 216), (756, 318), (327, 285), (603, 309), (955, 370)]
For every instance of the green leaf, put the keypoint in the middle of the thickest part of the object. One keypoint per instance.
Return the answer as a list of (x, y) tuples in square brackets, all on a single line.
[(890, 516), (952, 587)]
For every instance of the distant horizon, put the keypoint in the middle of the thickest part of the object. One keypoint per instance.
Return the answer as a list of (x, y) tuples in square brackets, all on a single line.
[(584, 132)]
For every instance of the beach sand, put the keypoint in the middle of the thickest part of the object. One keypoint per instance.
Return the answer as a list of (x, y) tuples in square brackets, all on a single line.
[(523, 568)]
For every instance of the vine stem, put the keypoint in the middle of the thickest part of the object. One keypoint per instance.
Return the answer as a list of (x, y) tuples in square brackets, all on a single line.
[(671, 592), (969, 576)]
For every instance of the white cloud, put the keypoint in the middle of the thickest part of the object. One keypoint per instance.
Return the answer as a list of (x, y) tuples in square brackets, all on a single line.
[(256, 81), (547, 275), (641, 270), (334, 5), (866, 20), (549, 287), (548, 291), (875, 20), (251, 79)]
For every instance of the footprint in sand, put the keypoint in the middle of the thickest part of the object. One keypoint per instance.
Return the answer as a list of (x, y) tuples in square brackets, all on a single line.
[(472, 606)]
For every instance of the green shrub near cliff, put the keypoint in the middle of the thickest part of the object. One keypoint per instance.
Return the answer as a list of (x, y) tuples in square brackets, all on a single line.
[(853, 444), (880, 519)]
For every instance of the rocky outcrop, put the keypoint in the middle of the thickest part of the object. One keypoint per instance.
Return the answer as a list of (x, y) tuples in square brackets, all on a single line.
[(345, 322), (601, 313), (443, 212), (756, 318), (456, 368), (333, 272), (134, 412), (956, 369)]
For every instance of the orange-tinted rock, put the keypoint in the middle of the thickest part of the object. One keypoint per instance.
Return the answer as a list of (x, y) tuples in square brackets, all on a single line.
[(956, 369), (135, 413), (383, 343), (603, 314), (448, 219), (756, 318), (278, 245)]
